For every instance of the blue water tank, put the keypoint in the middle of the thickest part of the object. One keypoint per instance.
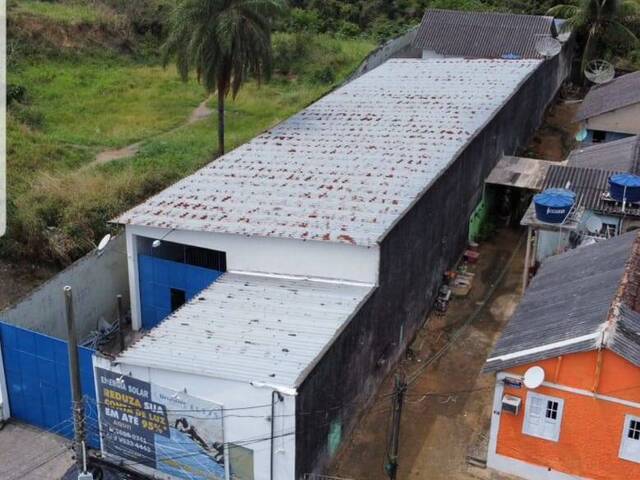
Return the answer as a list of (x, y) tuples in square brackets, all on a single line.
[(625, 186), (554, 204)]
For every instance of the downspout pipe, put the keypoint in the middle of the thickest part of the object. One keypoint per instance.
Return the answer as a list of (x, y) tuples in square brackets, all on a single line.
[(274, 394)]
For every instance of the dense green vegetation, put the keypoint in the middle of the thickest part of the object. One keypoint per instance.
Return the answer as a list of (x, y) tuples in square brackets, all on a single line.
[(86, 75), (83, 80)]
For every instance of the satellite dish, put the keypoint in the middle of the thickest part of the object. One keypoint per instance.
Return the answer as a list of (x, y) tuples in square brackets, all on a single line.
[(156, 244), (599, 71), (103, 243), (582, 135), (533, 377), (547, 46), (593, 224)]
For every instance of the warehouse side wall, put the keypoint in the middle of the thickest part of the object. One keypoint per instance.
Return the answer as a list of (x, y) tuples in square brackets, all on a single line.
[(413, 257)]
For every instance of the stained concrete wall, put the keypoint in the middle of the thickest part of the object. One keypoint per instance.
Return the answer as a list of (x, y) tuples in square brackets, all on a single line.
[(95, 280), (413, 257), (399, 47)]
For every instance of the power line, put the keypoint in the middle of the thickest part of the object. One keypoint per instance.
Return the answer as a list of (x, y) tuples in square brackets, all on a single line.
[(479, 309)]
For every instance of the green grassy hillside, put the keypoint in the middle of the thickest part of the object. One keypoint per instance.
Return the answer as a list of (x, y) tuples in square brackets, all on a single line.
[(85, 80)]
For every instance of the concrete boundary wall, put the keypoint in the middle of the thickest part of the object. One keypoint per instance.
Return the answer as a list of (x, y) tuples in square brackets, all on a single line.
[(96, 279), (397, 47)]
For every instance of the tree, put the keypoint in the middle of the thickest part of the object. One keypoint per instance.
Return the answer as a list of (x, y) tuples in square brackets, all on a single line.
[(601, 24), (224, 42)]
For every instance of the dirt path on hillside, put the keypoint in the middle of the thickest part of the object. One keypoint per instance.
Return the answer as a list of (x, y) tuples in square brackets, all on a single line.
[(438, 432), (201, 112)]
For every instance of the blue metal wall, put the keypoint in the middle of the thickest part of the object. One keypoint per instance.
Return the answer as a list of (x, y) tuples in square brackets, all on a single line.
[(158, 276), (36, 367)]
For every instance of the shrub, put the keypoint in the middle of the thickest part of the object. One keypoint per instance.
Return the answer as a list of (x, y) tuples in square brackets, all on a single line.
[(16, 93), (289, 50)]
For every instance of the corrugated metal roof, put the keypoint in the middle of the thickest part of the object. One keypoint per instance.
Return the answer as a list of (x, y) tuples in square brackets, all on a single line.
[(482, 34), (619, 93), (250, 328), (346, 168), (587, 183), (620, 155), (590, 186), (519, 172), (571, 298)]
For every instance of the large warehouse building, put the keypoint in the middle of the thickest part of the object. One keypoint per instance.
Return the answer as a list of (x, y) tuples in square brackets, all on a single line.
[(281, 281)]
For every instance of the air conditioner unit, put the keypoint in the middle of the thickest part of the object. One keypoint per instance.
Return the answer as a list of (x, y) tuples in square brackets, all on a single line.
[(511, 404)]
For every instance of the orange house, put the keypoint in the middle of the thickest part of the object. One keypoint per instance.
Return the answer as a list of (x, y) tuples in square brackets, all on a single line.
[(567, 395)]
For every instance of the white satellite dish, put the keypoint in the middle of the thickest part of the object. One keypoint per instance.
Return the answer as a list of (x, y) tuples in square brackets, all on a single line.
[(547, 46), (593, 224), (533, 377), (103, 243), (156, 243), (599, 71)]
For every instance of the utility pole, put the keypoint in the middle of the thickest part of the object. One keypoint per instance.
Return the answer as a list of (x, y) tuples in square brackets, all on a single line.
[(76, 390), (398, 398)]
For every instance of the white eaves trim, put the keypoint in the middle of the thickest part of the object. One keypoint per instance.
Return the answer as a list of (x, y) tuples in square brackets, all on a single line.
[(543, 348)]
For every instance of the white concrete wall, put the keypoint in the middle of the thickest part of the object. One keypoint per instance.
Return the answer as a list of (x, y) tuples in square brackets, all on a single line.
[(241, 424), (261, 255), (623, 120)]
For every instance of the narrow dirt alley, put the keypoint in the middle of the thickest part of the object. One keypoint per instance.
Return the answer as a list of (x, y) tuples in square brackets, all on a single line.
[(448, 406)]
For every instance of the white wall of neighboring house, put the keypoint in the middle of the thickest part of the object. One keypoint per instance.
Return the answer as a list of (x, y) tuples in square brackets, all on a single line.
[(623, 120), (263, 255), (241, 424)]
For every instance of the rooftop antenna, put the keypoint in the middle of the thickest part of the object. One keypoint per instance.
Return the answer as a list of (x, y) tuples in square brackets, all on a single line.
[(547, 46), (599, 71)]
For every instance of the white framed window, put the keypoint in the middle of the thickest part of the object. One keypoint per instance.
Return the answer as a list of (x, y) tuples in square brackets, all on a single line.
[(630, 444), (543, 416)]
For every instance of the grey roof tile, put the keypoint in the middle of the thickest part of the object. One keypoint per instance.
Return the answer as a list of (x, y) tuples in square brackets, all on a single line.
[(571, 298), (482, 34), (620, 155), (619, 93)]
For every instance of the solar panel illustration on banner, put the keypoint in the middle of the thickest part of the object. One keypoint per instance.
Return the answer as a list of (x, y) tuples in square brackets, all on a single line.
[(159, 428)]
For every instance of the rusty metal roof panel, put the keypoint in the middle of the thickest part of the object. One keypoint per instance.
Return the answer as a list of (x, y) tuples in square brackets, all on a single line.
[(482, 34), (347, 167), (250, 328)]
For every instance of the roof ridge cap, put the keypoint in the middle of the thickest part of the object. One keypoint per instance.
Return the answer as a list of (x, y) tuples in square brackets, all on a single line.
[(630, 270)]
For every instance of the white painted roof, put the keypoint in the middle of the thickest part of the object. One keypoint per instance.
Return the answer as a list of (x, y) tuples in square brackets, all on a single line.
[(346, 168), (250, 328)]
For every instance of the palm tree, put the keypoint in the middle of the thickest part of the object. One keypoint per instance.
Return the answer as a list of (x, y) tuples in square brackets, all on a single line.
[(224, 42), (600, 23)]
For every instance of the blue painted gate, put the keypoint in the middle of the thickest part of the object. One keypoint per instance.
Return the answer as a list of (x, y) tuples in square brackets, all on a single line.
[(36, 368), (158, 277)]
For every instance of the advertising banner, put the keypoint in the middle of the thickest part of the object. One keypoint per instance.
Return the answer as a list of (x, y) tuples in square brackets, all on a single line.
[(162, 429)]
